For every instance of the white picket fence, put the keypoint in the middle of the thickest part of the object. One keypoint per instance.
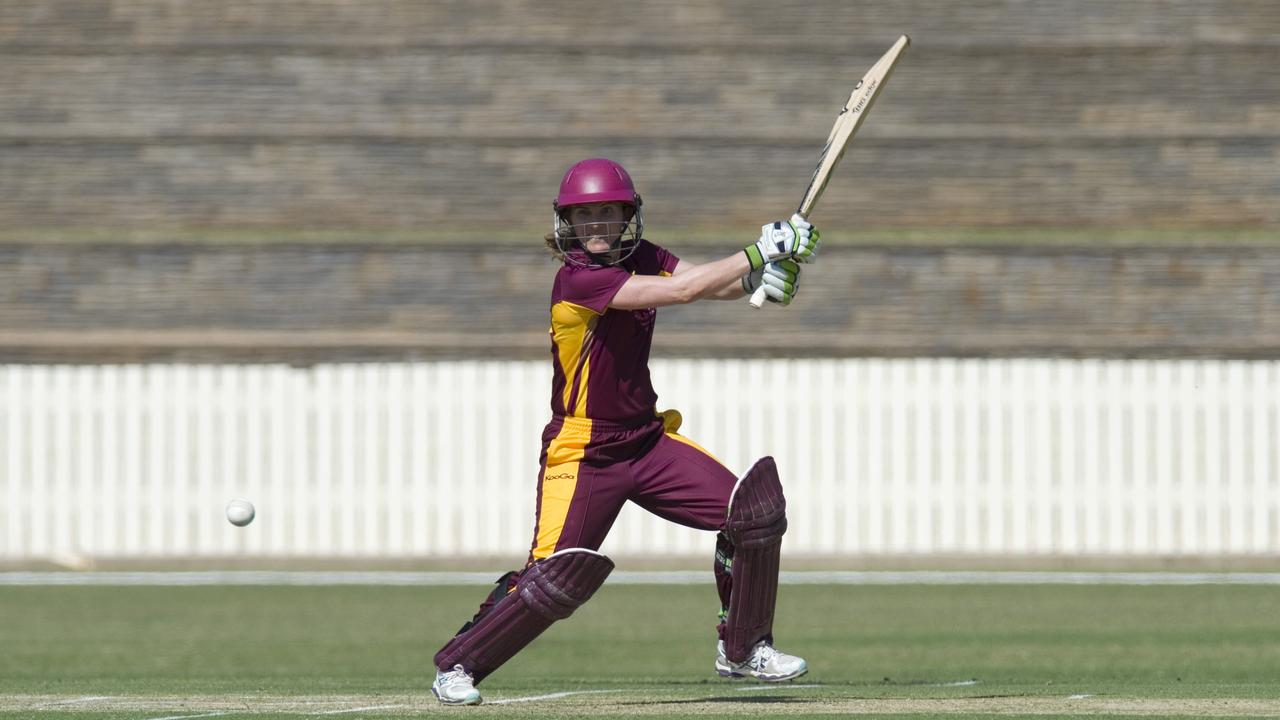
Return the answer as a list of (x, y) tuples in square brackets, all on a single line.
[(1014, 457)]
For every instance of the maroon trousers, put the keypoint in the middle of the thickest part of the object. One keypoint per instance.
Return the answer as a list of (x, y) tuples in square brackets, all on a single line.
[(590, 469)]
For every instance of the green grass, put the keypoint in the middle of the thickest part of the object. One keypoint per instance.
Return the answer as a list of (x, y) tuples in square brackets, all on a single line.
[(1167, 651)]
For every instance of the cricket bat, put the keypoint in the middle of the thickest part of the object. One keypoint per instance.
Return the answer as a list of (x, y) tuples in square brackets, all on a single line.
[(847, 123)]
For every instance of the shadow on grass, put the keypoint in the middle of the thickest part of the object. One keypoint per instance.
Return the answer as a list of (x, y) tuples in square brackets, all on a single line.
[(751, 699)]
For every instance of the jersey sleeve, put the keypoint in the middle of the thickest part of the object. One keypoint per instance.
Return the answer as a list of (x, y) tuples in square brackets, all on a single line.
[(666, 260), (593, 288)]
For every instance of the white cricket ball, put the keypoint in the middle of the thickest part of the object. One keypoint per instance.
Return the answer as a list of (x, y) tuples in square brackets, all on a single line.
[(240, 512)]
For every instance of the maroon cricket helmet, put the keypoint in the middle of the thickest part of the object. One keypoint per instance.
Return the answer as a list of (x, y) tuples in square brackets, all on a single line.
[(596, 180), (591, 181)]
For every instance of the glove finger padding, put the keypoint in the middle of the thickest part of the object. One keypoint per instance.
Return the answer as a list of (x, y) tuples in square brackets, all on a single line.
[(784, 270), (779, 291), (774, 295), (781, 281), (779, 294), (806, 250), (807, 239)]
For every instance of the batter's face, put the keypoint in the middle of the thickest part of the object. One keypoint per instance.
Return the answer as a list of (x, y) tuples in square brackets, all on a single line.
[(599, 225)]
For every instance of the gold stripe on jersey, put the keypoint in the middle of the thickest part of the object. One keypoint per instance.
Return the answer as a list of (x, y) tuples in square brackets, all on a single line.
[(559, 482), (572, 327), (580, 400)]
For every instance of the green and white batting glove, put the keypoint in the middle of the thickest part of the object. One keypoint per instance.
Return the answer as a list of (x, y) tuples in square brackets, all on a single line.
[(793, 239), (780, 280)]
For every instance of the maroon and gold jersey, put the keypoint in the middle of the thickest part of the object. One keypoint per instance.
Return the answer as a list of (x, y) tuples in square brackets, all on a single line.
[(601, 355)]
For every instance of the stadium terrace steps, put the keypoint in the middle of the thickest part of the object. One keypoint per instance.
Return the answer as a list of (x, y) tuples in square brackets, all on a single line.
[(401, 114), (386, 185), (395, 116), (660, 23), (313, 303), (943, 92)]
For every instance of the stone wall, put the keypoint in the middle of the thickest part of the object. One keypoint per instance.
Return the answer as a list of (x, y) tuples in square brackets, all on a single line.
[(311, 303), (399, 114)]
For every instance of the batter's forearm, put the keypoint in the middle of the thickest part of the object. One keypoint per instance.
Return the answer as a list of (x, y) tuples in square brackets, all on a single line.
[(710, 280), (732, 291)]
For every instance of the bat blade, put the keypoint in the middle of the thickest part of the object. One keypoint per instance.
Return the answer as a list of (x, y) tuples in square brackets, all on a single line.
[(848, 120)]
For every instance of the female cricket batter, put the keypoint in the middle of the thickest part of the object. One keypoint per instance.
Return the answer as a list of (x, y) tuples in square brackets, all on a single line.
[(606, 444)]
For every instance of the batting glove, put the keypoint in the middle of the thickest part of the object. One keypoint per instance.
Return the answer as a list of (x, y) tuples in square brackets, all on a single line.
[(780, 280), (793, 239)]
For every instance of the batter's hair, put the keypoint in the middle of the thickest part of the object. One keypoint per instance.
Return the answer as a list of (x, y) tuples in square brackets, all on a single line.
[(554, 247)]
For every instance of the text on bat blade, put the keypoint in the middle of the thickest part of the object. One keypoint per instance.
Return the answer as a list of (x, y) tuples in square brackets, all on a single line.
[(862, 101)]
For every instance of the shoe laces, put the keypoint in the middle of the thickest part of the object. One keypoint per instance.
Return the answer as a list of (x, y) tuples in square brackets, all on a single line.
[(763, 654), (455, 675)]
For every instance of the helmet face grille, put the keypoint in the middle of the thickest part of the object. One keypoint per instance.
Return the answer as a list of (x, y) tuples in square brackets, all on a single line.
[(569, 242)]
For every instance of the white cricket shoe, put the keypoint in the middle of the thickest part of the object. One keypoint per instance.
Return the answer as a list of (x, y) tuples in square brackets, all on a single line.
[(765, 664), (455, 687)]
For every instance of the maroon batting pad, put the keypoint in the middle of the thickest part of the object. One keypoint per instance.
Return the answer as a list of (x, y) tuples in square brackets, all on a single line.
[(757, 520), (548, 590)]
